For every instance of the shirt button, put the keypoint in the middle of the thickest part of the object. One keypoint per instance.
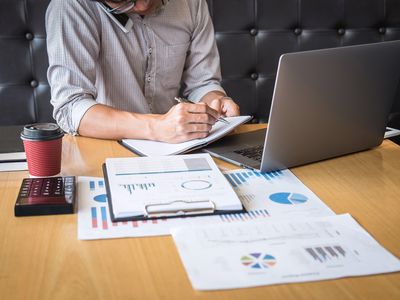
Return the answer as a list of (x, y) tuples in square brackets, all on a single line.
[(150, 51)]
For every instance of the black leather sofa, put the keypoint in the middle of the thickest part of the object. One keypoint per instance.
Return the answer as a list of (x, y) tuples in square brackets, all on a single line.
[(251, 35)]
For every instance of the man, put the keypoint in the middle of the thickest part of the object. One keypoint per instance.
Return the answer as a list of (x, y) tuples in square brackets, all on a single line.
[(116, 66)]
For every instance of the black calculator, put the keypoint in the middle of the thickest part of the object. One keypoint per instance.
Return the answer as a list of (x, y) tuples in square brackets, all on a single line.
[(46, 196)]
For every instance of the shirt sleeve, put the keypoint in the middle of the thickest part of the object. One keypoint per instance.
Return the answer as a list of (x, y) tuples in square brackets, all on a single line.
[(202, 72), (73, 48)]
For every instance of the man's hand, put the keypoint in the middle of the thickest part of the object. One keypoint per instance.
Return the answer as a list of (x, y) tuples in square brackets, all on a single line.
[(223, 104), (184, 122), (225, 107)]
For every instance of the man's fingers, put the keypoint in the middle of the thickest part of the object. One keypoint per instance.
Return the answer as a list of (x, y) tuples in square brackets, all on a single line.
[(201, 118), (216, 105), (193, 128), (200, 108), (230, 109)]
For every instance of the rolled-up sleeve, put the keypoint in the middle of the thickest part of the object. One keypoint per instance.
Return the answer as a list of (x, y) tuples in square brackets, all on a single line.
[(202, 72), (73, 48)]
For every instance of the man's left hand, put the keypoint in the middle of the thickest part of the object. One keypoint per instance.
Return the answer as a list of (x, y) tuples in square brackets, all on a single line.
[(225, 106)]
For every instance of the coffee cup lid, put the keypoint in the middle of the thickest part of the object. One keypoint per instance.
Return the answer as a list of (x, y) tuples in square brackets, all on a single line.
[(41, 132)]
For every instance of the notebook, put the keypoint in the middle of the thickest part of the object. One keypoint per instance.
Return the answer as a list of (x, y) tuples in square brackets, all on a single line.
[(153, 148), (140, 188)]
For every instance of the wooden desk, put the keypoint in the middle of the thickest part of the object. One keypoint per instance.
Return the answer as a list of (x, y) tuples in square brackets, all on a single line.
[(41, 257)]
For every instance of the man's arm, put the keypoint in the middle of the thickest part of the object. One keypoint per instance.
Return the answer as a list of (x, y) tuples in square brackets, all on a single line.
[(73, 49), (202, 74), (181, 123)]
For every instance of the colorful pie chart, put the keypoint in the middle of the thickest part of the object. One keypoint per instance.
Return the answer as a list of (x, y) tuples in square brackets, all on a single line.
[(288, 198), (258, 261)]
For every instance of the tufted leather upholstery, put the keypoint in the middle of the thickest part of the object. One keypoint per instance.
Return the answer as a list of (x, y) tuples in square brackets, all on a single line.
[(251, 35), (24, 91)]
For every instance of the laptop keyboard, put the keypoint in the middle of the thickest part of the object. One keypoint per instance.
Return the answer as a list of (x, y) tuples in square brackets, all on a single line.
[(254, 152)]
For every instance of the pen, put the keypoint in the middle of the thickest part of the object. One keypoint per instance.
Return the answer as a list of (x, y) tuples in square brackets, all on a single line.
[(183, 100)]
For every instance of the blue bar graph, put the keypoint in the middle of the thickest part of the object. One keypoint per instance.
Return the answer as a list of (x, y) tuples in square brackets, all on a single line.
[(93, 211), (92, 184), (242, 177), (104, 217)]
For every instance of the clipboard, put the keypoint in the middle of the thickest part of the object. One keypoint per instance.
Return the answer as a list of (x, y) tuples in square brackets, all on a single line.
[(173, 209)]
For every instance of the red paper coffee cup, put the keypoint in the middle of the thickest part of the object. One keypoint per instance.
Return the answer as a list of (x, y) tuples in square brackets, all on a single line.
[(43, 145)]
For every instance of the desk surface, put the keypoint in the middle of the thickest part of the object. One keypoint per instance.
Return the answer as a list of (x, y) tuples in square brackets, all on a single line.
[(41, 257)]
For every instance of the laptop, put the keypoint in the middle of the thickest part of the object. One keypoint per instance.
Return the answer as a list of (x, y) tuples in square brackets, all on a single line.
[(326, 103)]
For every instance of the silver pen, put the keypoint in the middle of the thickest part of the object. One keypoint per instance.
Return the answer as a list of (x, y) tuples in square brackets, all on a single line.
[(183, 100)]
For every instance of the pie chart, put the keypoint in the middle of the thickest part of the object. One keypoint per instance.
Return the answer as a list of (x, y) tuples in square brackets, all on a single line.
[(258, 261), (288, 198)]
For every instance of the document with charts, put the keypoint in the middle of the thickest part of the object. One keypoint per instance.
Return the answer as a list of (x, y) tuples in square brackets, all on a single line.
[(266, 196), (165, 186), (227, 256)]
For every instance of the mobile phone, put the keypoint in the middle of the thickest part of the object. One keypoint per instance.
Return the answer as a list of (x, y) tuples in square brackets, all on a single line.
[(122, 20)]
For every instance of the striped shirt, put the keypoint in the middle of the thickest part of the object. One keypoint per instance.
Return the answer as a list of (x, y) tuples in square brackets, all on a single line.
[(92, 60)]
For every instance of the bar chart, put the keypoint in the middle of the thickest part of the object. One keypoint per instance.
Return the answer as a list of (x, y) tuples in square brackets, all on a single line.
[(139, 186), (330, 253), (244, 177)]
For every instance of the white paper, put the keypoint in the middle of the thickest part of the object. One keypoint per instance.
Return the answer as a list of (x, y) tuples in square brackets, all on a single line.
[(181, 182), (12, 156), (13, 166), (262, 253), (391, 132), (94, 220), (153, 148), (278, 194)]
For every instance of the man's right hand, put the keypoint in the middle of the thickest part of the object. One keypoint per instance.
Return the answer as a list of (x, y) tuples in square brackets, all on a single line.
[(184, 122)]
